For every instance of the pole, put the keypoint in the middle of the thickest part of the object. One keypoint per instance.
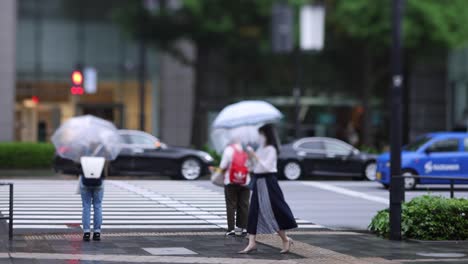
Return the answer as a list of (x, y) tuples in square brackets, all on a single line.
[(10, 224), (452, 195), (397, 194), (142, 73), (297, 93)]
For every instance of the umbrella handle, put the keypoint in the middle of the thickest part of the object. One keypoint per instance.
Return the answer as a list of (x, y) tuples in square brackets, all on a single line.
[(96, 151)]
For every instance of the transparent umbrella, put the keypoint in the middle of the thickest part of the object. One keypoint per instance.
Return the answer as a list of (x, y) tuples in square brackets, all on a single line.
[(87, 136), (247, 113), (241, 121)]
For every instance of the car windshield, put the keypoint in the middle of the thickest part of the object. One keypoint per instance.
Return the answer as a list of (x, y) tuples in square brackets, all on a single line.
[(415, 145)]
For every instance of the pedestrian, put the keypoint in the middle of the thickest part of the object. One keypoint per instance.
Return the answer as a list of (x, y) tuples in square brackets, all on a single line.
[(269, 213), (236, 192), (92, 193)]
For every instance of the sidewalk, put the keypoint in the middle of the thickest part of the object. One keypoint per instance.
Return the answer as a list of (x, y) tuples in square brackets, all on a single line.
[(213, 247)]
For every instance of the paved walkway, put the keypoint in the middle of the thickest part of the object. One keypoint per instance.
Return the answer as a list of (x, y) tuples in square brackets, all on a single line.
[(213, 247)]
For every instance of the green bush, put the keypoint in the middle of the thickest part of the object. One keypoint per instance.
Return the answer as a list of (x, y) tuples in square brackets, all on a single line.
[(428, 218), (26, 155), (213, 153), (369, 149)]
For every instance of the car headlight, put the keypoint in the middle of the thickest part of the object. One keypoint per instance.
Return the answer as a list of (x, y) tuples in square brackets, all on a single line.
[(207, 157), (387, 164)]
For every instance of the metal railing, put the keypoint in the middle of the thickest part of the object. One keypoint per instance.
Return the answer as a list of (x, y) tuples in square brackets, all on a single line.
[(451, 181), (10, 214)]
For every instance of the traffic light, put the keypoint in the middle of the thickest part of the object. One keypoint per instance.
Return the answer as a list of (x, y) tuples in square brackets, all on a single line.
[(35, 99), (77, 82), (31, 102)]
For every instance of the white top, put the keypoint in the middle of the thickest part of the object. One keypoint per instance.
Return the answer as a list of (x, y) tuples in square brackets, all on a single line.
[(226, 161), (267, 159)]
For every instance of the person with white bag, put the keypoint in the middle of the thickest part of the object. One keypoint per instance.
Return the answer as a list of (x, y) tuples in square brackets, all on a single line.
[(92, 193), (235, 170)]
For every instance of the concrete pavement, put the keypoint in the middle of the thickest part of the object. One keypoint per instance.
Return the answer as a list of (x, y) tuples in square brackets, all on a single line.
[(213, 247)]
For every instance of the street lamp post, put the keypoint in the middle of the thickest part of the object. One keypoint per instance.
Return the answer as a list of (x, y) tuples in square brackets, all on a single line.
[(312, 26), (397, 193), (147, 5), (297, 93), (142, 78)]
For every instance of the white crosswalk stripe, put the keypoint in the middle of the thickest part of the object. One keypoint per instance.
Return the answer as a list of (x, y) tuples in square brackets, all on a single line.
[(138, 204)]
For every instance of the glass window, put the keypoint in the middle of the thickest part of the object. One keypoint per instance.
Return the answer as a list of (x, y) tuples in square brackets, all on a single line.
[(125, 139), (311, 146), (448, 145), (415, 145), (465, 143), (141, 140), (337, 148)]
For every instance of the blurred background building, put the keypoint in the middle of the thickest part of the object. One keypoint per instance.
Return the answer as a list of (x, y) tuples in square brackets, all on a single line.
[(42, 42), (52, 38)]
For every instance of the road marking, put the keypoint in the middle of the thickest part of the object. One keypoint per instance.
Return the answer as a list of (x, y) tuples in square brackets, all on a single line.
[(108, 217), (39, 226), (130, 222), (170, 251), (126, 227), (127, 205), (340, 190)]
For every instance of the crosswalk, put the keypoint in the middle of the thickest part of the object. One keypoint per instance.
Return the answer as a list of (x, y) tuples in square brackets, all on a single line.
[(127, 205)]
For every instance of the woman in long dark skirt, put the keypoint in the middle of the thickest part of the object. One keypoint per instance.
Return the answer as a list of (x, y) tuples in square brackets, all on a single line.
[(268, 213)]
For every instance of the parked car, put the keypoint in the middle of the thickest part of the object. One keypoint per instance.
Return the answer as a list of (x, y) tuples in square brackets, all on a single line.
[(144, 154), (435, 154), (322, 156)]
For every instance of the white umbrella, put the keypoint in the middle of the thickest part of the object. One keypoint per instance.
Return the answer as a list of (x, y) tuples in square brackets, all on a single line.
[(241, 121), (247, 113), (87, 136), (246, 135)]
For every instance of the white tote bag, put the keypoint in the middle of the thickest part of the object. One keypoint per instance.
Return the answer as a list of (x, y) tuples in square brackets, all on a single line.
[(217, 177)]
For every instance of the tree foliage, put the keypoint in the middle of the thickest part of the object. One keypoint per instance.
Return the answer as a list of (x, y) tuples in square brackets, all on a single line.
[(426, 24), (356, 53), (240, 27)]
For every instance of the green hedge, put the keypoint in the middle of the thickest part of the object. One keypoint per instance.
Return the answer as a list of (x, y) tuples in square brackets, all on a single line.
[(26, 155), (213, 153), (428, 218)]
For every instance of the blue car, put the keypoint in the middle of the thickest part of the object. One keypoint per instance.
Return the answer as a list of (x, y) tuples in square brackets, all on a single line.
[(434, 154)]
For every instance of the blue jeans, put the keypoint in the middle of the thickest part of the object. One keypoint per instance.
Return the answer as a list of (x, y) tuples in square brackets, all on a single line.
[(92, 195)]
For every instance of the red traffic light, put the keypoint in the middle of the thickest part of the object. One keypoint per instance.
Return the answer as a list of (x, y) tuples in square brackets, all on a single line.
[(77, 90), (77, 78), (77, 83)]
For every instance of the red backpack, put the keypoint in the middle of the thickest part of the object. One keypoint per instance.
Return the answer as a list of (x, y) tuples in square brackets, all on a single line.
[(238, 170)]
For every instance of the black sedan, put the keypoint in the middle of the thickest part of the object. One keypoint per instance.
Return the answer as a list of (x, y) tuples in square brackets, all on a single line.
[(143, 154), (323, 156)]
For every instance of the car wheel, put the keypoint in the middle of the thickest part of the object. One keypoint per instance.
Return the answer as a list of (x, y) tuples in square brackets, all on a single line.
[(190, 169), (292, 170), (410, 183), (370, 171)]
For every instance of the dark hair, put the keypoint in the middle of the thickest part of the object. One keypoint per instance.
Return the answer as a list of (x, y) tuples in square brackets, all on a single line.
[(271, 137)]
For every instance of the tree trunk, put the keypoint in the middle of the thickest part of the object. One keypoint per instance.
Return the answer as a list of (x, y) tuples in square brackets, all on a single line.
[(366, 99)]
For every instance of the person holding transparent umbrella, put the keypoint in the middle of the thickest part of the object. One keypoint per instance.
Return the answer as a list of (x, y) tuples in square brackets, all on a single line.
[(92, 193), (92, 142), (268, 213)]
